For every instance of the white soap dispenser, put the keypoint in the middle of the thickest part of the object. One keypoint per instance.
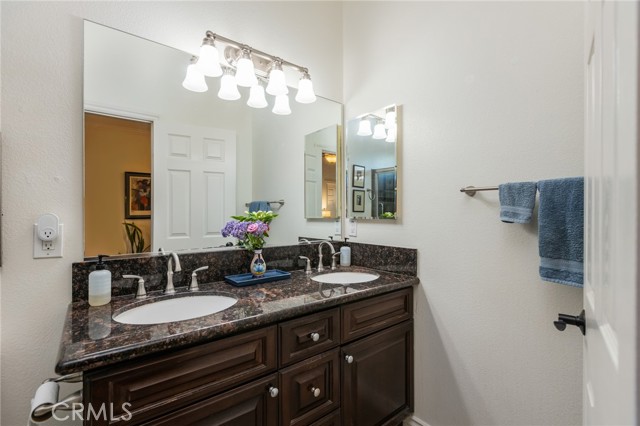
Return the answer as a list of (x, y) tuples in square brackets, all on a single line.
[(100, 284)]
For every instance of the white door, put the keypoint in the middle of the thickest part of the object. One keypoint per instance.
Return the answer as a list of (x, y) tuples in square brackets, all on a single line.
[(611, 214), (194, 185)]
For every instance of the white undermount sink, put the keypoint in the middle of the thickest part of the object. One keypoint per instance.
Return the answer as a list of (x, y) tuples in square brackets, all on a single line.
[(345, 277), (175, 309)]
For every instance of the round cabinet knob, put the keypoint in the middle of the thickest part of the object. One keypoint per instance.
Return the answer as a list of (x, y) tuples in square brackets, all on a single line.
[(348, 358), (315, 336), (315, 391), (273, 391)]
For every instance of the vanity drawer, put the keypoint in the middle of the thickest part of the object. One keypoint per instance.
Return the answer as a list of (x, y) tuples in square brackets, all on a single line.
[(160, 384), (297, 336), (310, 389), (367, 316), (332, 419)]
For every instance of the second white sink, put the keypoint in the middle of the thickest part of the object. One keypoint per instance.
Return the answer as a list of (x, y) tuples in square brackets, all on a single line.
[(345, 277), (175, 309)]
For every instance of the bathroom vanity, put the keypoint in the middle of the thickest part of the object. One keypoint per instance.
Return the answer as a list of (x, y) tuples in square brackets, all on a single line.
[(295, 352)]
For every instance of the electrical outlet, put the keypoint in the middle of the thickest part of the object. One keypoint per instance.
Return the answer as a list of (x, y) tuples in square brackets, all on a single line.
[(43, 248)]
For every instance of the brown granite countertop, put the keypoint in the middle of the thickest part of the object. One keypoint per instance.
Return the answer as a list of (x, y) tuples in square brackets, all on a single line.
[(92, 339)]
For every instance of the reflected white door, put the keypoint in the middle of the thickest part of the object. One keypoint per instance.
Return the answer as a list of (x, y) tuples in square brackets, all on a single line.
[(194, 181), (312, 180), (611, 214)]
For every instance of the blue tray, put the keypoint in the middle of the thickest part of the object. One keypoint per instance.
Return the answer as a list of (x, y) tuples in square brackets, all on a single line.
[(242, 280)]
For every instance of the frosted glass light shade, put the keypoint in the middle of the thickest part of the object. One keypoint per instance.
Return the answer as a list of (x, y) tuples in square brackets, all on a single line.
[(256, 97), (228, 88), (305, 94), (364, 128), (281, 106), (245, 72), (390, 119), (209, 61), (378, 131), (392, 134), (194, 80), (277, 82)]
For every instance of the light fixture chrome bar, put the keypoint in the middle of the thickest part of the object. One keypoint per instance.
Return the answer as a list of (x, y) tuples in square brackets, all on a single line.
[(241, 46)]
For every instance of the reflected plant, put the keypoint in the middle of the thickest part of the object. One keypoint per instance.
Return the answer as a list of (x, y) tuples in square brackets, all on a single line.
[(136, 240)]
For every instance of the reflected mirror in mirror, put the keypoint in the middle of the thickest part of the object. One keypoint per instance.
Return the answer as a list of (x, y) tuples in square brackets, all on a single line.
[(372, 141), (320, 173), (166, 167)]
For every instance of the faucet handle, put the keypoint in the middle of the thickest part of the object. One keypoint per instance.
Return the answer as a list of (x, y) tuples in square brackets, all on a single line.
[(194, 278), (333, 260), (142, 292), (307, 269)]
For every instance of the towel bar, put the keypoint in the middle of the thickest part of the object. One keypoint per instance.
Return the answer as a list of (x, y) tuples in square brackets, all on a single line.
[(281, 202), (471, 190)]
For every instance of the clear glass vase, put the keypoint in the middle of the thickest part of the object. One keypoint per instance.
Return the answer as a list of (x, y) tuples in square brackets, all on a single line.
[(258, 266)]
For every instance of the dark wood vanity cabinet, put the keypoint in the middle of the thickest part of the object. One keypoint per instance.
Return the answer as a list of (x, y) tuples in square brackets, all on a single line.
[(350, 365)]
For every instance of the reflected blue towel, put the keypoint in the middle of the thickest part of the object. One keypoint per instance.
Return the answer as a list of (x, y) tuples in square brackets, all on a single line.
[(560, 230), (255, 206), (516, 201)]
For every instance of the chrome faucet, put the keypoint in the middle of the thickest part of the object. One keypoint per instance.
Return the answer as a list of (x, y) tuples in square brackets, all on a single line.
[(173, 257), (333, 259)]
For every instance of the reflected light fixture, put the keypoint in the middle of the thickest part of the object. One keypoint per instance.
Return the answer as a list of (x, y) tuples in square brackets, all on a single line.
[(245, 72), (256, 97), (392, 134), (228, 87), (305, 94), (209, 59), (389, 119), (250, 66), (378, 131), (364, 128), (194, 80), (281, 106), (330, 157)]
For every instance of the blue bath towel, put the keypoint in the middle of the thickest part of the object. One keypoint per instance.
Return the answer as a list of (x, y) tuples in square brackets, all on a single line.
[(560, 230), (516, 201), (255, 206)]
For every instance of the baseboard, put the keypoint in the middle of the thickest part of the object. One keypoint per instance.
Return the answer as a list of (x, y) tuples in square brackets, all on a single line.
[(414, 421)]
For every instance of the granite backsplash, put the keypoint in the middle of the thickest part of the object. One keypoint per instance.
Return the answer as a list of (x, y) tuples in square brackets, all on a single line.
[(153, 268)]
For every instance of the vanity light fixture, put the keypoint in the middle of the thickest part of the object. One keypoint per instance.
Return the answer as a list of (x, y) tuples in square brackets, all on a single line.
[(364, 128), (245, 72), (389, 119), (392, 134), (281, 106), (194, 79), (228, 86), (378, 131), (249, 65), (209, 60)]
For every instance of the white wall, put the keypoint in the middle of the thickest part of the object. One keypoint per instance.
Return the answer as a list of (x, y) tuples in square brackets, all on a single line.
[(42, 138), (491, 93)]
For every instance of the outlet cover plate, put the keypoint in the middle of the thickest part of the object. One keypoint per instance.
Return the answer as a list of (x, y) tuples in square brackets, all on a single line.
[(40, 250)]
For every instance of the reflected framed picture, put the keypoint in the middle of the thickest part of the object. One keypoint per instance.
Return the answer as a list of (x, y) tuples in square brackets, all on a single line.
[(137, 195), (358, 176), (357, 203)]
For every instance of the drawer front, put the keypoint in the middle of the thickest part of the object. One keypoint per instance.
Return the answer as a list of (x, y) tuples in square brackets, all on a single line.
[(332, 419), (368, 316), (156, 385), (297, 336), (248, 405), (310, 389)]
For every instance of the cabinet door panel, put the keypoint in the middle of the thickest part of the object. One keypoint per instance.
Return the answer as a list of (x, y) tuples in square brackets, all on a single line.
[(310, 389), (333, 419), (296, 336), (367, 316), (378, 383), (248, 405)]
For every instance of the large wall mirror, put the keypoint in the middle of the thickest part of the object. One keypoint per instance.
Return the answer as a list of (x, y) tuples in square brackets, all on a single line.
[(372, 141), (177, 164)]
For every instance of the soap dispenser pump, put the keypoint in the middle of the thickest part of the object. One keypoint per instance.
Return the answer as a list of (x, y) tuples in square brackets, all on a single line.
[(100, 284)]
